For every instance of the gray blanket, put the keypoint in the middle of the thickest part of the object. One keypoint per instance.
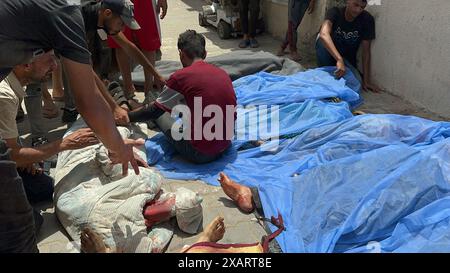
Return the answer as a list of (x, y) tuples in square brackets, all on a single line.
[(237, 64)]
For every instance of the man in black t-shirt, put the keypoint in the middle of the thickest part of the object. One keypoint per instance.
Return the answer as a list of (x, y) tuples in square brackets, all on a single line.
[(29, 28), (342, 33)]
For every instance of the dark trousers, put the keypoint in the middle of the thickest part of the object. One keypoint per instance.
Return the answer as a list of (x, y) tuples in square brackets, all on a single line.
[(249, 24), (17, 222), (324, 58), (39, 187), (165, 122), (296, 12)]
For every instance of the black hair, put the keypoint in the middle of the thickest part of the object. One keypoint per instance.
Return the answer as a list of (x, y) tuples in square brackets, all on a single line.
[(192, 44)]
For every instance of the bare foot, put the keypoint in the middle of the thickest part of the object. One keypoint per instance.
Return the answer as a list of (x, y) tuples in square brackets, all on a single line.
[(240, 194), (91, 242), (214, 231), (295, 56), (280, 52)]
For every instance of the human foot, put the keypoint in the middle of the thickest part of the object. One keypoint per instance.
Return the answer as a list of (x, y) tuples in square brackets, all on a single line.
[(240, 194), (295, 56), (214, 231), (92, 242), (280, 52)]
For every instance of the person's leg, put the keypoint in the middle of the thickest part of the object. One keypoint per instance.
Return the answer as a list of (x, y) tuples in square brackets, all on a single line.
[(39, 187), (242, 195), (92, 242), (70, 112), (354, 70), (124, 64), (57, 82), (148, 84), (148, 37), (297, 13), (214, 232), (288, 37), (254, 7), (183, 147), (324, 58), (149, 112), (17, 229), (33, 104)]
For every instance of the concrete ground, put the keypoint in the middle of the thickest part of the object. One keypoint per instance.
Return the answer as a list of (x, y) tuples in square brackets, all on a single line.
[(241, 228)]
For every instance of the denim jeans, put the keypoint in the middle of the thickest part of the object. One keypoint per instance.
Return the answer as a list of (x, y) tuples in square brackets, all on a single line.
[(324, 58), (183, 147)]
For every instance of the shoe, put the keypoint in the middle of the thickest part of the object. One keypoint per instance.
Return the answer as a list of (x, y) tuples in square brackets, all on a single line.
[(38, 141), (69, 115), (244, 44), (254, 43)]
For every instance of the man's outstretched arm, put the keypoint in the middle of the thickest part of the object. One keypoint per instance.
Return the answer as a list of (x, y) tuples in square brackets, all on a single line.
[(134, 52), (97, 113), (120, 114), (325, 36)]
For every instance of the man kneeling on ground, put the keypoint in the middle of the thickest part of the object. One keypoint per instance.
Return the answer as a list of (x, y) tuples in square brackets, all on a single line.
[(197, 86), (342, 33)]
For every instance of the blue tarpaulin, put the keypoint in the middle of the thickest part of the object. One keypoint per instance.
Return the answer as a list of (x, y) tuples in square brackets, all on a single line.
[(342, 183), (320, 83)]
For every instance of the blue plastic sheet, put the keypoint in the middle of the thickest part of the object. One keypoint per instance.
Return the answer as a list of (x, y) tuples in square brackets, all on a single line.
[(268, 89), (342, 183)]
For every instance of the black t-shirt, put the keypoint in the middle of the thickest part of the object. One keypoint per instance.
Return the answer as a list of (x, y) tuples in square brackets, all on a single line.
[(28, 27), (347, 36), (89, 11)]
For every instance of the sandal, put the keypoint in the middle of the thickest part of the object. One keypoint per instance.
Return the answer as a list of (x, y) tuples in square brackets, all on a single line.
[(118, 95)]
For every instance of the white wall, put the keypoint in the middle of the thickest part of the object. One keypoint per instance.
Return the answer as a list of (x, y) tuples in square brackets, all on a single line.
[(411, 55)]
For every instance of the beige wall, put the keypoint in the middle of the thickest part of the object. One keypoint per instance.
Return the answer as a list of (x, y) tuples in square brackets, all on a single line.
[(276, 18), (411, 55)]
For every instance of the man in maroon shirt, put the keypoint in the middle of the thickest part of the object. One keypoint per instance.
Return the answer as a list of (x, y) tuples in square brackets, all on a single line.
[(203, 98)]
